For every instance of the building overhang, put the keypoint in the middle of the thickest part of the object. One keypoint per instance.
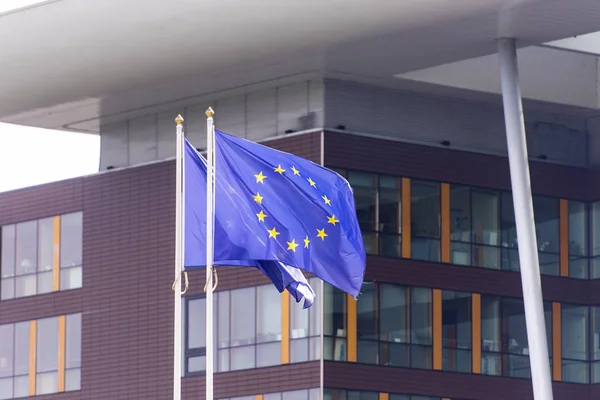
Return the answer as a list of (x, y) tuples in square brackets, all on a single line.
[(70, 64)]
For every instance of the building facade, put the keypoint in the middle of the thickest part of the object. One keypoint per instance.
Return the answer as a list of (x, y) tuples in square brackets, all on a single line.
[(87, 267)]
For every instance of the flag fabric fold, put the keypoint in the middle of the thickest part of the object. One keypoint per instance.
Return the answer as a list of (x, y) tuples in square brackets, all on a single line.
[(195, 177)]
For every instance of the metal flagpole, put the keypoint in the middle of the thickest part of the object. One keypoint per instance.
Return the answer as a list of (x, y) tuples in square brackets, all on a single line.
[(210, 133), (322, 306), (524, 218), (177, 350)]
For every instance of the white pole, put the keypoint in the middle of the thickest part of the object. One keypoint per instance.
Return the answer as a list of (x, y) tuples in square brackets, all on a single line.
[(209, 252), (177, 350), (524, 218), (322, 305)]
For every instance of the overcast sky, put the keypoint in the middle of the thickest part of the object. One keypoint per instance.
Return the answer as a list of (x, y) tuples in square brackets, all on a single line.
[(32, 156)]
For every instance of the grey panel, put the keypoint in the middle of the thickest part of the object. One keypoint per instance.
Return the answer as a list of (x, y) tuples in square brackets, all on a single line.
[(230, 115), (429, 120), (195, 125), (261, 114), (114, 145), (292, 104), (165, 134), (142, 139)]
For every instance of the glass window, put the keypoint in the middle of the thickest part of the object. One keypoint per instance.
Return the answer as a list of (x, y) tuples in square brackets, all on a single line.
[(73, 352), (456, 331), (7, 351), (45, 255), (71, 240), (425, 220), (7, 262), (575, 321), (195, 335), (28, 256), (47, 356), (364, 186), (341, 394), (305, 328), (594, 249), (408, 397), (486, 228), (334, 324), (394, 326), (547, 227), (12, 378), (268, 326), (460, 224), (595, 339), (26, 260), (578, 241), (390, 216), (505, 348)]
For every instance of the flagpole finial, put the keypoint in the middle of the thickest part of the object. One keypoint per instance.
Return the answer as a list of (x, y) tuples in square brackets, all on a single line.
[(209, 113), (179, 120)]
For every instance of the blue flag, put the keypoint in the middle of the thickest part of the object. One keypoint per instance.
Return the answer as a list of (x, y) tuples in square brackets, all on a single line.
[(274, 206), (195, 171)]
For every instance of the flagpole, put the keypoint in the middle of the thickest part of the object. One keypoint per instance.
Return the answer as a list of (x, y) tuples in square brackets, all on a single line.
[(209, 252), (177, 350)]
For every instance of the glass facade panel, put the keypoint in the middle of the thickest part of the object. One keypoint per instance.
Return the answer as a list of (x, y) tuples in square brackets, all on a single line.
[(367, 207), (482, 225), (334, 324), (456, 331), (394, 326), (460, 224), (575, 348), (578, 240), (505, 348), (486, 228), (71, 239), (8, 261), (305, 328), (15, 340), (28, 256), (425, 220), (390, 216)]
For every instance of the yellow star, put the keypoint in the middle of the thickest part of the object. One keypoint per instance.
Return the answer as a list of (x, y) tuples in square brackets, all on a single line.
[(260, 177), (261, 216), (258, 198), (296, 172), (331, 220), (306, 242), (292, 245), (312, 183), (273, 233), (321, 233), (327, 201), (279, 169)]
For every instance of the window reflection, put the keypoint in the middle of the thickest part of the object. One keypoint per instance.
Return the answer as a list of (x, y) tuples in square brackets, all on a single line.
[(334, 324), (425, 220), (574, 327), (578, 240), (505, 348), (456, 331), (364, 186), (305, 328), (594, 249), (394, 326), (32, 249), (15, 366)]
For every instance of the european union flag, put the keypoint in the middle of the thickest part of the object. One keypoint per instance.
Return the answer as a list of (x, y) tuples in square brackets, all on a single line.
[(274, 206), (195, 171)]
